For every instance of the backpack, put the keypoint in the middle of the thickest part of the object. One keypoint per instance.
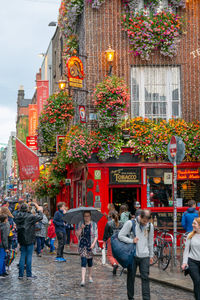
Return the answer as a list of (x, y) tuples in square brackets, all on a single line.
[(124, 253), (38, 226)]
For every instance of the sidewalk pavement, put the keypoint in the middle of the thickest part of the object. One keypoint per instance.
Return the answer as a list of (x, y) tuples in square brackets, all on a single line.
[(173, 278)]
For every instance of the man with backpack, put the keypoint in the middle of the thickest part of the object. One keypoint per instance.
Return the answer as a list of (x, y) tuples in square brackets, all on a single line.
[(25, 222), (142, 234)]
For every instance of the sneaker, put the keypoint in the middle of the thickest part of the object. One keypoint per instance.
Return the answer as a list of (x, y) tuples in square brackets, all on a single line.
[(91, 280), (5, 274), (57, 259), (20, 278), (62, 259), (115, 269), (2, 277), (31, 277), (39, 255), (82, 283)]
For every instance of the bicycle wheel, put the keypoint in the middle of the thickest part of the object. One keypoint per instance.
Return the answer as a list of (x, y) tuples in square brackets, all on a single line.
[(155, 254), (165, 255)]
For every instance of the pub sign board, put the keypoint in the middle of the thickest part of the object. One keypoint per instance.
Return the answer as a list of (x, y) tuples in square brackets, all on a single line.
[(124, 176)]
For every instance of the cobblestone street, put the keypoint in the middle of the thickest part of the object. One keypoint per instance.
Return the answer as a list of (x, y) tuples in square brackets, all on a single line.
[(62, 281)]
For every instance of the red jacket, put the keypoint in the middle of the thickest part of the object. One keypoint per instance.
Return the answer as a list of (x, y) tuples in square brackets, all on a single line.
[(51, 230)]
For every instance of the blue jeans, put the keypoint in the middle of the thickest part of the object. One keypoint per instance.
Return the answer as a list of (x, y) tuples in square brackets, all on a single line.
[(2, 261), (52, 247), (40, 244), (26, 256)]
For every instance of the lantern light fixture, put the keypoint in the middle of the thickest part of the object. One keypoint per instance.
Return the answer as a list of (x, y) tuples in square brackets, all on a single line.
[(110, 54), (62, 84)]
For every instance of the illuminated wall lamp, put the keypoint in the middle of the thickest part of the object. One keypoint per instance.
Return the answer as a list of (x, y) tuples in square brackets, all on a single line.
[(110, 54), (62, 84)]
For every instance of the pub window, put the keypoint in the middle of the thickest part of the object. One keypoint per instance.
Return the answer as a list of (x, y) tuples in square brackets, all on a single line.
[(188, 186), (147, 5), (159, 188), (155, 92)]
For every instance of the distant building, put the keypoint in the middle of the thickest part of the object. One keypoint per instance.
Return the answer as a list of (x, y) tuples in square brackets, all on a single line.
[(22, 115)]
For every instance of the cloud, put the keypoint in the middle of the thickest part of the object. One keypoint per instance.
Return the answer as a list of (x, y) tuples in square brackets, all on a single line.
[(7, 123), (24, 32)]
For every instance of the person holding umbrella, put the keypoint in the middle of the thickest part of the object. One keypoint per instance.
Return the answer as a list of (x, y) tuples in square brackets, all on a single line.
[(87, 234)]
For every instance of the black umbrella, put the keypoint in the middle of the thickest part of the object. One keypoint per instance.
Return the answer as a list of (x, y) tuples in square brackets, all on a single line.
[(75, 215)]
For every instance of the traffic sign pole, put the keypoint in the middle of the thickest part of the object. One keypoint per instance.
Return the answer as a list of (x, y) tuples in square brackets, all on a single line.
[(176, 153), (175, 210)]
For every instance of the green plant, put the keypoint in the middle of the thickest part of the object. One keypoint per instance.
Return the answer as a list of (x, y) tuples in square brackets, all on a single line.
[(111, 99), (55, 119)]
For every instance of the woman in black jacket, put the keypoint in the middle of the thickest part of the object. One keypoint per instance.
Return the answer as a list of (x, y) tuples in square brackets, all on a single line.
[(112, 227)]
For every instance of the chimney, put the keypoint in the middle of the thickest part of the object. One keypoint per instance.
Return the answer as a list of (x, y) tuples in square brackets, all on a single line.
[(38, 75), (20, 94)]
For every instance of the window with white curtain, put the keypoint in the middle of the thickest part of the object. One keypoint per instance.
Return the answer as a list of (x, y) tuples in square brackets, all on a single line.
[(155, 92)]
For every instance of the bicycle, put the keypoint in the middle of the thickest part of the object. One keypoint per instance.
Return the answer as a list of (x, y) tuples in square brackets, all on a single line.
[(162, 251)]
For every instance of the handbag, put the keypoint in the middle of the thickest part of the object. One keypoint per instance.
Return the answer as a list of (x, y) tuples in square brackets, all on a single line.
[(74, 238), (124, 253), (38, 226), (103, 258), (10, 257), (186, 271)]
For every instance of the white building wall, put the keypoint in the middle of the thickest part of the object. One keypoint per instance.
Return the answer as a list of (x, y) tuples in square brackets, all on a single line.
[(46, 67), (9, 154)]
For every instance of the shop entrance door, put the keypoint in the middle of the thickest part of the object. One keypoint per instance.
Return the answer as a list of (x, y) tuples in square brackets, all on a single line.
[(129, 196)]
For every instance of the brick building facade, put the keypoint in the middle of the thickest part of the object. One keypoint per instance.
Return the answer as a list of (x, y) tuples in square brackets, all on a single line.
[(179, 76)]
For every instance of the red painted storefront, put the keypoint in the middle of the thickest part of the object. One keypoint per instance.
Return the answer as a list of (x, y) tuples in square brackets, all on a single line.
[(145, 184)]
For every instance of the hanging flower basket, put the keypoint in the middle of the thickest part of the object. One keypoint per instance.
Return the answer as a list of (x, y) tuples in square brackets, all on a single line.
[(152, 31), (55, 119), (111, 99)]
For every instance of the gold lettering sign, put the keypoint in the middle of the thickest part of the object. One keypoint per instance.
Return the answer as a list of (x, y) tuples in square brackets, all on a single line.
[(125, 175), (188, 174)]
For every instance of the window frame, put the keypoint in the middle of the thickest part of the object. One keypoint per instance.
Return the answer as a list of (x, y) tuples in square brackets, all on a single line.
[(139, 73)]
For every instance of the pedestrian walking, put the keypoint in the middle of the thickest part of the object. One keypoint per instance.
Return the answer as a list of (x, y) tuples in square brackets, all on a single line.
[(9, 224), (111, 208), (189, 216), (111, 228), (41, 234), (124, 213), (51, 235), (191, 256), (25, 222), (143, 238), (3, 244), (87, 234), (60, 231)]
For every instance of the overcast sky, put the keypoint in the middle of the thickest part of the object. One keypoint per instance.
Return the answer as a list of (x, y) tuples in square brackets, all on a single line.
[(24, 33)]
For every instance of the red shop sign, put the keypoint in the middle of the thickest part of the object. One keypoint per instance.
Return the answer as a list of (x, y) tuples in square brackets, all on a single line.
[(31, 142)]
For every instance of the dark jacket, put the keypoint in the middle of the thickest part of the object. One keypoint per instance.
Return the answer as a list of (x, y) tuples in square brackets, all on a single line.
[(3, 236), (188, 218), (58, 221), (25, 222), (111, 229)]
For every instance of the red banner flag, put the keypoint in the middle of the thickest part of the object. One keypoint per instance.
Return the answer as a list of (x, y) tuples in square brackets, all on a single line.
[(33, 119), (42, 94), (28, 162)]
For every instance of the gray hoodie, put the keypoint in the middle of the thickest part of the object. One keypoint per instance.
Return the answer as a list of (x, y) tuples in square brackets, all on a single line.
[(145, 234)]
